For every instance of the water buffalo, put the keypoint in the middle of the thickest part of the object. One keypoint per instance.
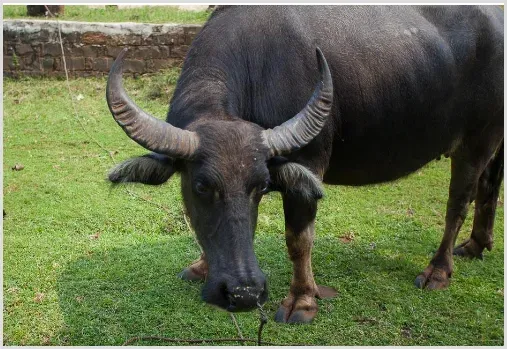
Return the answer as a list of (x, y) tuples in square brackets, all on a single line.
[(396, 87)]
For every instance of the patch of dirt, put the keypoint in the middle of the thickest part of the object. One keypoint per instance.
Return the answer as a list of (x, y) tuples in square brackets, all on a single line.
[(406, 331), (39, 297), (347, 237), (11, 188)]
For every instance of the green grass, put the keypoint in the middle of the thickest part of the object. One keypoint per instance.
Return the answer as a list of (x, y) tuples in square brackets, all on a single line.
[(148, 14), (122, 284)]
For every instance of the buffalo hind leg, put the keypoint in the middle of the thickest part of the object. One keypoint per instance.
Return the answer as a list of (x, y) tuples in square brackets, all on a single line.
[(463, 183), (300, 306), (488, 189), (196, 271), (466, 168)]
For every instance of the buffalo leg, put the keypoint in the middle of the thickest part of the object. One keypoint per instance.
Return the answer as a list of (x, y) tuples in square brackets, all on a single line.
[(464, 178), (300, 306), (198, 270), (467, 166), (486, 200)]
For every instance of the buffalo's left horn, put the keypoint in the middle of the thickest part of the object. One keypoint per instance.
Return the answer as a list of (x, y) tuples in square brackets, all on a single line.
[(307, 124), (152, 133)]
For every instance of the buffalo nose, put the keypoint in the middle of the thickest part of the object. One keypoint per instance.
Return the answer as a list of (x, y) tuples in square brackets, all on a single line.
[(246, 298)]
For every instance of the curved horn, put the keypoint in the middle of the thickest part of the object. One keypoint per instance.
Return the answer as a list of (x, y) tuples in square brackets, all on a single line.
[(153, 134), (307, 124)]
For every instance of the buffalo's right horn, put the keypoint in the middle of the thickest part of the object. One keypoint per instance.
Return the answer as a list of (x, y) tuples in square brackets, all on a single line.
[(152, 133), (307, 124)]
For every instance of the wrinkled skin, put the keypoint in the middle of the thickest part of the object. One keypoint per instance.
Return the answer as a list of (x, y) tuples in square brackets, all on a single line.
[(221, 190)]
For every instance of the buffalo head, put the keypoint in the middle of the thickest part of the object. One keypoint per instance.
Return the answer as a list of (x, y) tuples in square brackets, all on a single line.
[(224, 174)]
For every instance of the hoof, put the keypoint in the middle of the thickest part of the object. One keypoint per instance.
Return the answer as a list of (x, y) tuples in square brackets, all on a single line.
[(196, 271), (189, 275), (432, 278), (469, 249), (301, 311)]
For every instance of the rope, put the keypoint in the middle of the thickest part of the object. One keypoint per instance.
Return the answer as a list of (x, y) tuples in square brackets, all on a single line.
[(233, 318), (263, 317), (202, 341)]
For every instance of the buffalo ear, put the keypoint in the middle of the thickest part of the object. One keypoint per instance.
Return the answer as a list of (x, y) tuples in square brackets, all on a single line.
[(153, 169), (295, 179)]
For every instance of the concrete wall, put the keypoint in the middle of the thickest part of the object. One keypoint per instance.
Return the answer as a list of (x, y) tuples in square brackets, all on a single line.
[(31, 47)]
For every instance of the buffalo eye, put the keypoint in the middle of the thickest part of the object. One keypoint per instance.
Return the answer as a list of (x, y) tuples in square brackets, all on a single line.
[(263, 188), (201, 188)]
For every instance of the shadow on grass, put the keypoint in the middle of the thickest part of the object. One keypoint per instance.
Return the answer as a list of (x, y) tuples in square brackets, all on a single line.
[(113, 294)]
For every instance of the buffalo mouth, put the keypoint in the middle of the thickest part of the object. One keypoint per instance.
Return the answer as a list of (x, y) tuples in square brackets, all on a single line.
[(235, 298)]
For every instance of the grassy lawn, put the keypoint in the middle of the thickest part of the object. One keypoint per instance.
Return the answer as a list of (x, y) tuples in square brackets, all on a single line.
[(151, 14), (85, 264)]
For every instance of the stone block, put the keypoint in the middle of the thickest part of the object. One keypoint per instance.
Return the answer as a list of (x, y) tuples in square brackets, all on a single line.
[(164, 51), (102, 64), (23, 49), (73, 37), (90, 51), (114, 51), (52, 49), (75, 51), (161, 39), (133, 66), (178, 52), (148, 52), (95, 38), (76, 63), (48, 63)]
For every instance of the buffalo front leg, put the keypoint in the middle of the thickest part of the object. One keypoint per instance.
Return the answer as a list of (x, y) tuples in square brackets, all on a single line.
[(198, 270), (464, 177), (300, 306), (486, 200)]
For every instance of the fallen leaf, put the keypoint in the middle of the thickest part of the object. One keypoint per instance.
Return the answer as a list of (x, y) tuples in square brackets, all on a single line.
[(45, 340), (79, 299), (410, 212), (500, 291), (406, 332), (95, 236), (11, 188), (38, 297), (79, 97), (18, 167), (348, 237), (56, 167)]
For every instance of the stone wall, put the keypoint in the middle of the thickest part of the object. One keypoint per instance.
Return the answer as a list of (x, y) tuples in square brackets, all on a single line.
[(32, 47)]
